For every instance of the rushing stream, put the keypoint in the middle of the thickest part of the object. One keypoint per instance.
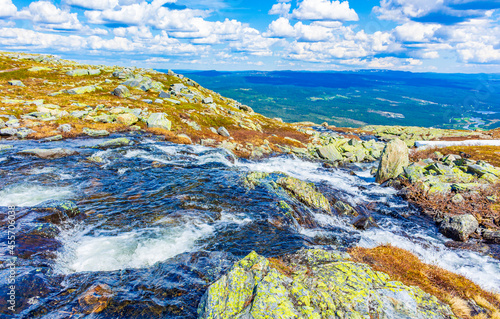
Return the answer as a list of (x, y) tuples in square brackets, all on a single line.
[(161, 221)]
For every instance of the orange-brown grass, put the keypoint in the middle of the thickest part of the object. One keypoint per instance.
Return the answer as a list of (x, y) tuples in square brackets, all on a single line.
[(48, 129), (491, 154), (448, 287), (280, 266), (475, 203)]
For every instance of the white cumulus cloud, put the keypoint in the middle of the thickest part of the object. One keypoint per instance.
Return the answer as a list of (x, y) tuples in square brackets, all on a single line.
[(324, 10), (7, 8)]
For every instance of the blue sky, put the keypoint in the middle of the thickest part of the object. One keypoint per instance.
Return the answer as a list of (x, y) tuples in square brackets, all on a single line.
[(413, 35)]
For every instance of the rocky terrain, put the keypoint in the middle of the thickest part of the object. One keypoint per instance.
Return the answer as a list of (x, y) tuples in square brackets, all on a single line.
[(48, 99)]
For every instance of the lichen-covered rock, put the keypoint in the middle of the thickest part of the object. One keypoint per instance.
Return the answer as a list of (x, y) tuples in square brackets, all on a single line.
[(49, 153), (330, 153), (159, 120), (127, 119), (95, 133), (459, 227), (16, 83), (55, 211), (345, 209), (394, 159), (223, 131), (314, 284), (305, 193), (121, 91), (82, 90), (117, 142)]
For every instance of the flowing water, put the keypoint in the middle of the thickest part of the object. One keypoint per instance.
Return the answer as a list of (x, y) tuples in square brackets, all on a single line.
[(161, 221)]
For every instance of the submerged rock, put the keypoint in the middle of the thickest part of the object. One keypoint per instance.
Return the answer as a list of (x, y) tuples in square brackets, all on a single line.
[(314, 284), (459, 227), (394, 158), (49, 153), (55, 211), (95, 299)]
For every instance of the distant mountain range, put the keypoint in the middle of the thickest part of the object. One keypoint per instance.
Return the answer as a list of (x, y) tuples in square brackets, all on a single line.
[(353, 98)]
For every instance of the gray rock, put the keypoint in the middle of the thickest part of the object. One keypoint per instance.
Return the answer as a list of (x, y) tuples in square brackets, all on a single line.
[(117, 142), (78, 72), (491, 237), (94, 72), (22, 134), (8, 131), (178, 87), (65, 128), (147, 101), (159, 101), (2, 123), (121, 91), (208, 100), (173, 101), (223, 131), (53, 138), (95, 133), (164, 95), (50, 153), (79, 114), (394, 158), (159, 120), (16, 83), (213, 130), (330, 153), (459, 227)]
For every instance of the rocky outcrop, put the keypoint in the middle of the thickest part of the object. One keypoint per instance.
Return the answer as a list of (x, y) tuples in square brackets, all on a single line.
[(314, 284), (394, 159)]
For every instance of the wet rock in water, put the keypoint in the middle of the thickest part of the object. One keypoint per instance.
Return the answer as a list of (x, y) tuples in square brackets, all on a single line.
[(394, 158), (305, 193), (95, 299), (55, 211), (117, 142), (121, 91), (5, 147), (45, 230), (127, 119), (16, 83), (477, 247), (53, 138), (364, 222), (314, 284), (159, 120), (65, 128), (95, 133), (459, 227), (491, 237), (223, 131), (345, 209), (330, 152), (49, 153)]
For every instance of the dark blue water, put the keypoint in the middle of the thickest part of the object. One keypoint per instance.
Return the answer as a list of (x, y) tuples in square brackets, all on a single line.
[(159, 222)]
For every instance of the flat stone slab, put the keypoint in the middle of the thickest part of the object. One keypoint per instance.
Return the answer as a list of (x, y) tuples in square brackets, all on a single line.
[(49, 153)]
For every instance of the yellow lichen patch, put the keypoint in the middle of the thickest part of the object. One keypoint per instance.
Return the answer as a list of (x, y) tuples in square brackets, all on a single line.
[(403, 266)]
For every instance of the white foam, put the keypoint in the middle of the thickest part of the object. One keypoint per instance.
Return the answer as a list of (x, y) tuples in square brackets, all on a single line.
[(38, 171), (135, 249), (31, 195)]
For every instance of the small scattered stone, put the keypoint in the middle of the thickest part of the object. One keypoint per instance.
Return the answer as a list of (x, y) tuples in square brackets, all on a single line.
[(223, 131), (8, 131), (22, 134), (95, 133), (164, 95), (16, 83), (127, 119), (208, 100), (53, 138)]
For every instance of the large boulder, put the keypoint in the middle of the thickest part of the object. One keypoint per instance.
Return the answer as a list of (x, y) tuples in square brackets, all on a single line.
[(459, 227), (49, 153), (127, 119), (121, 91), (314, 284), (394, 159), (159, 120)]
